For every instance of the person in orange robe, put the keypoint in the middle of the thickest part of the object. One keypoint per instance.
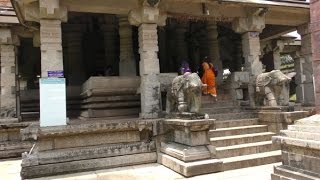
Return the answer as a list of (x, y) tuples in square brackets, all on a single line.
[(209, 78)]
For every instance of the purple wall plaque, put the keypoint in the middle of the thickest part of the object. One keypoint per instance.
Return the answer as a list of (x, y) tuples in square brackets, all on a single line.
[(58, 73)]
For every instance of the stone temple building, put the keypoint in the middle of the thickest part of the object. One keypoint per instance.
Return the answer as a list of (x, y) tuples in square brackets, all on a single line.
[(116, 60)]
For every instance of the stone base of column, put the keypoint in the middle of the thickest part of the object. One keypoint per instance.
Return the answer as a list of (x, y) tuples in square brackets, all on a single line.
[(300, 150), (150, 96), (189, 152)]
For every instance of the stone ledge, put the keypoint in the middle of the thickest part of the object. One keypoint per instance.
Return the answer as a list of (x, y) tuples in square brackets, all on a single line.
[(190, 125), (190, 168), (291, 172), (300, 135), (281, 117), (90, 152), (185, 153), (87, 165), (88, 127), (309, 144)]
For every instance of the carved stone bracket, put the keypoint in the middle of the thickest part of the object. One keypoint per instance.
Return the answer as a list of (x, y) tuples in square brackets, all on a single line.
[(147, 14), (254, 22), (45, 9)]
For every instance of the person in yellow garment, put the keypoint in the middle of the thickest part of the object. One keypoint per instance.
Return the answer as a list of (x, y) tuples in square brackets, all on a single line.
[(209, 79)]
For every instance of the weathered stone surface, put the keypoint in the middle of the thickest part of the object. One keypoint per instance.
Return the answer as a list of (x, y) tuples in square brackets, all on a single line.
[(92, 127), (190, 168), (7, 75), (92, 113), (190, 125), (88, 145), (185, 153), (92, 152), (287, 172), (127, 64), (51, 48), (193, 138), (149, 70), (278, 121), (188, 142), (93, 139), (113, 83), (90, 164), (300, 146)]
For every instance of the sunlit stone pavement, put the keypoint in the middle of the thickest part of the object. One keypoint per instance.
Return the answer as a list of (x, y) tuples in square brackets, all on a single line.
[(10, 170)]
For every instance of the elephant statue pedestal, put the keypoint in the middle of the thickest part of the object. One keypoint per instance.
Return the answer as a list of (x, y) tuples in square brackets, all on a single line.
[(188, 150)]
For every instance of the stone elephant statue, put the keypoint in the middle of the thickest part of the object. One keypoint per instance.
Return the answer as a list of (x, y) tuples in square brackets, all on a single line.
[(184, 94), (272, 88)]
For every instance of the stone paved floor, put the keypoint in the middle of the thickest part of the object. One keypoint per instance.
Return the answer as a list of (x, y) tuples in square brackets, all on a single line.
[(10, 169)]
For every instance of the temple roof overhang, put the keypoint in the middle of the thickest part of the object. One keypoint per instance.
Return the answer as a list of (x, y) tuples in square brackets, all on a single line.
[(281, 16), (7, 13)]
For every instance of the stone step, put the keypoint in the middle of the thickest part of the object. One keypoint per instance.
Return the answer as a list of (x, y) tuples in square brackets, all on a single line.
[(190, 168), (286, 172), (229, 116), (246, 149), (236, 123), (213, 104), (241, 139), (95, 113), (111, 105), (220, 110), (238, 130), (245, 161)]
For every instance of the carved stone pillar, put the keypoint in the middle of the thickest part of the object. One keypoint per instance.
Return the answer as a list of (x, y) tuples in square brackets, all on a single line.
[(149, 71), (51, 48), (75, 71), (299, 77), (307, 86), (214, 53), (148, 17), (110, 33), (250, 27), (277, 49), (127, 64), (181, 44), (7, 76)]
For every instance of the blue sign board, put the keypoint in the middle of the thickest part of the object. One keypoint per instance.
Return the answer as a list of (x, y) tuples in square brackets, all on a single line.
[(58, 73)]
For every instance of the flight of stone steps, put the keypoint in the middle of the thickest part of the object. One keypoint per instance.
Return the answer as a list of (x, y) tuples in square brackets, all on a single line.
[(239, 139)]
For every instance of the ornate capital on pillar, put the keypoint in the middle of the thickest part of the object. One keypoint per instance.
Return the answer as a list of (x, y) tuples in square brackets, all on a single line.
[(147, 15), (45, 9), (6, 36), (51, 9), (253, 22)]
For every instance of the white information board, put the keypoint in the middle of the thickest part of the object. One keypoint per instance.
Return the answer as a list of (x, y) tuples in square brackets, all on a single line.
[(53, 102)]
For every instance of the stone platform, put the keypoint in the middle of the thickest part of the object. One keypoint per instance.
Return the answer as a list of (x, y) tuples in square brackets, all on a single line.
[(84, 146), (277, 120), (110, 97), (11, 143), (300, 146), (188, 150)]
